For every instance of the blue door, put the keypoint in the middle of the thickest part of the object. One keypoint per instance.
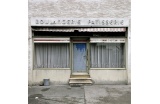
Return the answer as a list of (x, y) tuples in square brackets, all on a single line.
[(79, 57)]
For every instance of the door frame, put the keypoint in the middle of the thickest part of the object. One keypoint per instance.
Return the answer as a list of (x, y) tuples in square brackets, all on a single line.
[(87, 54)]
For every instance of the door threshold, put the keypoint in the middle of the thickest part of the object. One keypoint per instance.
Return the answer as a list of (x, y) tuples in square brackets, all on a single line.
[(80, 73)]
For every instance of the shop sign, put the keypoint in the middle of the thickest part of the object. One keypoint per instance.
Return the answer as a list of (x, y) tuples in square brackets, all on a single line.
[(80, 22)]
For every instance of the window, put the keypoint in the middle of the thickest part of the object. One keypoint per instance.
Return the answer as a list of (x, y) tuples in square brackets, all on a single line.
[(107, 55), (51, 55)]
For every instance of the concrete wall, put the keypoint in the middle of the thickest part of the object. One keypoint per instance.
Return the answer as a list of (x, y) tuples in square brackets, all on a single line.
[(55, 76), (79, 8), (76, 9), (129, 55), (109, 76)]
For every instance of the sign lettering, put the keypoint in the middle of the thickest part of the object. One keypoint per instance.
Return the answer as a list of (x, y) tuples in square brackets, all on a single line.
[(88, 22)]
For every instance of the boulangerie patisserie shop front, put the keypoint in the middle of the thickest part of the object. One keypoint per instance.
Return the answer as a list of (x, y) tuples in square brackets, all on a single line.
[(80, 50)]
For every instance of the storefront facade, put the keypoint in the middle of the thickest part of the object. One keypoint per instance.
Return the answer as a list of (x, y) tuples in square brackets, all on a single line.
[(62, 47)]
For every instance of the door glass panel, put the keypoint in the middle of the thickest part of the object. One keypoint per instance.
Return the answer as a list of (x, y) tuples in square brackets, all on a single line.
[(79, 57)]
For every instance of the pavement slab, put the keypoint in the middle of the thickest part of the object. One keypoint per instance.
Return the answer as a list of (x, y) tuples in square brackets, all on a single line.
[(56, 95), (108, 94), (95, 94)]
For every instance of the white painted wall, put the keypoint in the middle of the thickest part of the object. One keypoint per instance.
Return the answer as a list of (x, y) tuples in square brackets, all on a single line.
[(109, 76), (129, 56), (55, 76)]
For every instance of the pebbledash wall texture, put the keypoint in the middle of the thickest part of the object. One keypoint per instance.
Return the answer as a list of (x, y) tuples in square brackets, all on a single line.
[(78, 9)]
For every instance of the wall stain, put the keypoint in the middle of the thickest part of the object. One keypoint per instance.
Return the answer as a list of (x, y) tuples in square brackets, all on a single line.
[(45, 89)]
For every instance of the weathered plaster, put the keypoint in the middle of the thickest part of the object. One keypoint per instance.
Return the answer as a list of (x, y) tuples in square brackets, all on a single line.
[(77, 9), (109, 76), (55, 76)]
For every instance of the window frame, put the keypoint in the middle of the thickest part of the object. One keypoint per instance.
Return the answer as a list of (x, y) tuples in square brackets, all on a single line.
[(125, 58), (33, 56)]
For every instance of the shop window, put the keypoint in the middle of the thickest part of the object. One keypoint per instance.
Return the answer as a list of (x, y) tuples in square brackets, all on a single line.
[(107, 55), (51, 55)]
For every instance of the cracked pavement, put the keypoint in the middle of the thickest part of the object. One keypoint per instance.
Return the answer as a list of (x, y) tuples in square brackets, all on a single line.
[(95, 94)]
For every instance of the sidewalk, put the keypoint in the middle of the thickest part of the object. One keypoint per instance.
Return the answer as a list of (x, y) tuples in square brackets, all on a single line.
[(94, 94)]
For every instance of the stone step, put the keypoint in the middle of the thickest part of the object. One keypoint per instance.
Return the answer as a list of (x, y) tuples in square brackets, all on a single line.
[(80, 76), (80, 79)]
